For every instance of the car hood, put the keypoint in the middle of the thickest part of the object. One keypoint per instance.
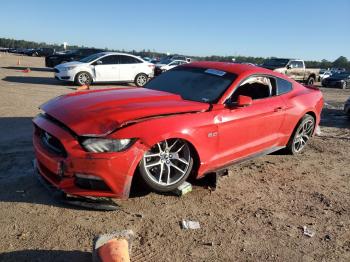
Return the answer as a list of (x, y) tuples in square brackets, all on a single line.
[(101, 112), (73, 63), (160, 65)]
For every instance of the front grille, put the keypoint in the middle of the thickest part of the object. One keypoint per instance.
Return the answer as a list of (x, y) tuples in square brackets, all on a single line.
[(50, 142)]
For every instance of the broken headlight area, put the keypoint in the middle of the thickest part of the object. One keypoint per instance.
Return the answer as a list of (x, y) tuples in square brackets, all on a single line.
[(102, 145)]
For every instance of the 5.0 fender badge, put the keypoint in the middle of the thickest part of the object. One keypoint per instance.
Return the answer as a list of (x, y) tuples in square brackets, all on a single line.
[(212, 134)]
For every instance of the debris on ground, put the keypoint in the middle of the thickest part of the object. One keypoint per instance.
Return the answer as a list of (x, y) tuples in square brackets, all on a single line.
[(188, 224), (183, 189), (139, 215), (327, 238), (318, 131), (308, 232), (115, 246), (83, 88)]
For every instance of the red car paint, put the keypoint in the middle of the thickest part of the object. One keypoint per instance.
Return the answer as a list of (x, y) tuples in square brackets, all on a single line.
[(219, 135)]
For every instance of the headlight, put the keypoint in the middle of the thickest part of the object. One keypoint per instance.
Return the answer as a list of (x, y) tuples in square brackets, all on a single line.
[(101, 145), (68, 68)]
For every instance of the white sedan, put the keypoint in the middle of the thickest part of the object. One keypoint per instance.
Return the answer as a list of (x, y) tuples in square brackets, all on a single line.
[(160, 67), (106, 67), (324, 74)]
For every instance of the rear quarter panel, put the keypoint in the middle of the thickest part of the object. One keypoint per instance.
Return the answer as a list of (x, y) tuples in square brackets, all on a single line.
[(300, 101)]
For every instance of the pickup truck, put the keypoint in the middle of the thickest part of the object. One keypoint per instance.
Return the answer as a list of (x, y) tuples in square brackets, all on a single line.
[(294, 68)]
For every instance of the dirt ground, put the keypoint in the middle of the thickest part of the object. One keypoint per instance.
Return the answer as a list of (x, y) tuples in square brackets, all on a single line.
[(257, 212)]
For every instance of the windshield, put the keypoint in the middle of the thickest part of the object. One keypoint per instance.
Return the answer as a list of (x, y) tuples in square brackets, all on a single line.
[(195, 84), (279, 62), (70, 52), (91, 58), (165, 61)]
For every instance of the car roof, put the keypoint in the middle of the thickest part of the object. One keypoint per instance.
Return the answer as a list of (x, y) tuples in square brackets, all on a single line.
[(117, 53), (235, 68)]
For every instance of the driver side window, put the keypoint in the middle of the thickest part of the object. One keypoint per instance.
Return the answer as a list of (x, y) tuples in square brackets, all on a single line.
[(109, 60), (256, 87)]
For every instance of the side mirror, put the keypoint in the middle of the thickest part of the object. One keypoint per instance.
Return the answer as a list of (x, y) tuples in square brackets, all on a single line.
[(98, 62), (244, 101), (289, 67)]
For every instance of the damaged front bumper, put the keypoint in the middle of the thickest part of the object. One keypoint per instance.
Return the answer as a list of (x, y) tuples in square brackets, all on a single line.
[(96, 203), (62, 162)]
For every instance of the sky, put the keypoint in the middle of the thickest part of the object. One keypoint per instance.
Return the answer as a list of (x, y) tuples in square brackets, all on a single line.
[(305, 29)]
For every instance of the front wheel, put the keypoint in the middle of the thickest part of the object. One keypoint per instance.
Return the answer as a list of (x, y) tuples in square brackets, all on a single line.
[(166, 165), (301, 135), (343, 85), (83, 78), (141, 80)]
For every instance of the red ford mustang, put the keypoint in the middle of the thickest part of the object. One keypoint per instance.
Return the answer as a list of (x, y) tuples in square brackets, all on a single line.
[(194, 119)]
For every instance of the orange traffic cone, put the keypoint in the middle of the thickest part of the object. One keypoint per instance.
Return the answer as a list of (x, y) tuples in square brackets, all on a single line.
[(115, 250), (18, 61), (113, 247), (83, 87)]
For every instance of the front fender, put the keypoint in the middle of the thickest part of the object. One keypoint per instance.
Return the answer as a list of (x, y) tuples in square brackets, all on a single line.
[(196, 128)]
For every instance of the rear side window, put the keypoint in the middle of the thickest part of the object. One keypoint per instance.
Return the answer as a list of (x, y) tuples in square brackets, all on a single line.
[(123, 59), (283, 86)]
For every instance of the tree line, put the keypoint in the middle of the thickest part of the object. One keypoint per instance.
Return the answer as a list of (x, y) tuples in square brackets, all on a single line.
[(340, 62)]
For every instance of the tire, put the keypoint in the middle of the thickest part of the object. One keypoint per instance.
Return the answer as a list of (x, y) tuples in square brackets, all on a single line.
[(343, 86), (310, 81), (301, 135), (166, 165), (141, 79), (83, 78)]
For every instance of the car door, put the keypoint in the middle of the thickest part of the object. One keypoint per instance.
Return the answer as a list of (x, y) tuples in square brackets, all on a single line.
[(255, 128), (129, 67), (106, 69)]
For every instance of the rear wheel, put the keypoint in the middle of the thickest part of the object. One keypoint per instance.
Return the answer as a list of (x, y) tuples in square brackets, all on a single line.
[(301, 135), (166, 165), (141, 79), (83, 78), (311, 81)]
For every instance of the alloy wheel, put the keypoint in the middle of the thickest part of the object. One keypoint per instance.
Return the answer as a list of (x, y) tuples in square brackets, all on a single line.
[(167, 162), (304, 133), (83, 78), (141, 80)]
